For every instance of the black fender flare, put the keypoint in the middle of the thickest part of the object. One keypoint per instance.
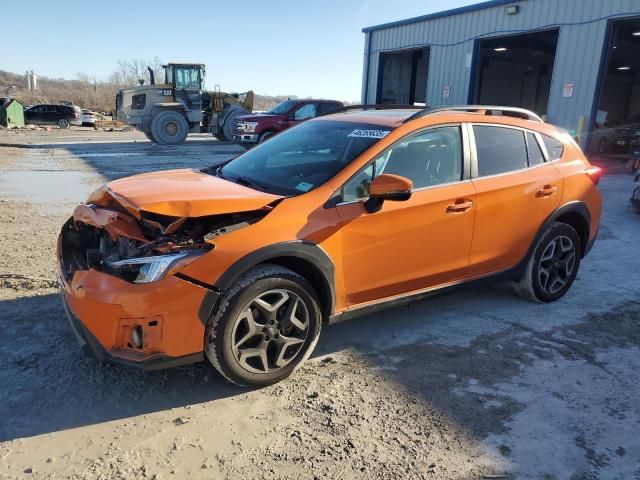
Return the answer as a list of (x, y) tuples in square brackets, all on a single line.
[(571, 207), (300, 250)]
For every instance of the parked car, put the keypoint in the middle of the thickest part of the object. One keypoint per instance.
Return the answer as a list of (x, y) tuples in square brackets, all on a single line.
[(242, 262), (618, 139), (256, 128), (88, 118), (61, 115)]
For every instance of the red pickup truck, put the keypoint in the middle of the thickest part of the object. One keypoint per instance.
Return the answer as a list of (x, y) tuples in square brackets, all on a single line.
[(256, 128)]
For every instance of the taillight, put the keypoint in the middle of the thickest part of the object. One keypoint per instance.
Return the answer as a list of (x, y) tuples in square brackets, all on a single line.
[(594, 173)]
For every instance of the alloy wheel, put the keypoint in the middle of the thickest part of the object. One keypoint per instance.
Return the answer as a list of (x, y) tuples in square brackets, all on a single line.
[(270, 331), (556, 265)]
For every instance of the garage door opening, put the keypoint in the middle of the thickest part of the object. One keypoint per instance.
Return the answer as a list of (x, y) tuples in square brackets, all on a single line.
[(403, 77), (516, 70), (617, 119)]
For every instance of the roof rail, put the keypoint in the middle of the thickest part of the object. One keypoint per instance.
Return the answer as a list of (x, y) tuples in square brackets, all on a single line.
[(372, 106), (486, 109)]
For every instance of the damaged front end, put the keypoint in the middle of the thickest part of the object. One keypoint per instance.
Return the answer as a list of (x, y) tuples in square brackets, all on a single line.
[(111, 240)]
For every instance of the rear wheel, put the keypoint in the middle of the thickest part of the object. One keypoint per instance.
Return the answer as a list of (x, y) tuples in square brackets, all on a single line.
[(149, 135), (63, 123), (226, 131), (553, 266), (169, 128), (265, 327)]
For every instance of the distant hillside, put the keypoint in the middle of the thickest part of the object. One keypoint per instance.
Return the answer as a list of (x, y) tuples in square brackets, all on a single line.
[(98, 96)]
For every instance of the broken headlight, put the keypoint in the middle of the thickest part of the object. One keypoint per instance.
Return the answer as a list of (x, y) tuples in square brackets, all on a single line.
[(148, 269)]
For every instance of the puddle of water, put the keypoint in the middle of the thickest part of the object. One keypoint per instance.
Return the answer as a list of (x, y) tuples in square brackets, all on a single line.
[(114, 154), (52, 192)]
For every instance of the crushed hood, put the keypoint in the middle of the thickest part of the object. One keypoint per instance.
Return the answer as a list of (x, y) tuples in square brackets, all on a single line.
[(181, 193)]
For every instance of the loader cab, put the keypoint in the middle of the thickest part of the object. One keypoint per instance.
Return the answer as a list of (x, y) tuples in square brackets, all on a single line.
[(185, 76)]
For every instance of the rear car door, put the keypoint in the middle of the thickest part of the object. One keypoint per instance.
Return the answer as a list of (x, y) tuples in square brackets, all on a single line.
[(414, 244), (516, 190), (51, 114)]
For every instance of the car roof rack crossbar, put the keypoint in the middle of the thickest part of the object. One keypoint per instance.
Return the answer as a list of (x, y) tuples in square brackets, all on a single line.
[(373, 106), (486, 109)]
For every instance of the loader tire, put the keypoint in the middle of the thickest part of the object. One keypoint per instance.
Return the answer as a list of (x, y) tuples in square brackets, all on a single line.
[(227, 127), (169, 128)]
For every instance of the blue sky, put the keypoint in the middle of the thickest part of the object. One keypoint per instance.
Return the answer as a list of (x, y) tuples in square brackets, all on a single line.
[(303, 47)]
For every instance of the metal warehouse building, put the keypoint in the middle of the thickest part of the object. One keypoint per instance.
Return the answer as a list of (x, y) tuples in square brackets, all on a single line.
[(575, 61)]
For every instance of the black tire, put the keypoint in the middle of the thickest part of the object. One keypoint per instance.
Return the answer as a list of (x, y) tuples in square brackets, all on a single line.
[(603, 146), (241, 327), (553, 266), (264, 136), (227, 126), (63, 123), (169, 128), (149, 136)]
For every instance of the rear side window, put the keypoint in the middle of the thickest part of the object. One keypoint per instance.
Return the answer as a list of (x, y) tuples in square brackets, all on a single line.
[(327, 107), (555, 149), (499, 149), (536, 157)]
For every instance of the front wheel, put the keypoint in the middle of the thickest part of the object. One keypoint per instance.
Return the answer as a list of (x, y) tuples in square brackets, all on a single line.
[(554, 264), (264, 136), (169, 128), (265, 327)]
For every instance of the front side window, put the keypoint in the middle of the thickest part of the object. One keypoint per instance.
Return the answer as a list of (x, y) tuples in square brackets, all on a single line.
[(303, 157), (429, 158), (187, 77), (305, 112), (282, 107), (499, 149)]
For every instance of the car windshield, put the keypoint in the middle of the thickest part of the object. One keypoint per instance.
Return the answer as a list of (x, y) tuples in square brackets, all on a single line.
[(303, 157), (283, 107)]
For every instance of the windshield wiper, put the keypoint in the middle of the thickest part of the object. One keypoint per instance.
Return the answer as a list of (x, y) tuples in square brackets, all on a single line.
[(242, 180)]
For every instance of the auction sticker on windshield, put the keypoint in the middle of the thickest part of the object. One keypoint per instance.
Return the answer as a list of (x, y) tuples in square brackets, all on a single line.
[(304, 186), (361, 133)]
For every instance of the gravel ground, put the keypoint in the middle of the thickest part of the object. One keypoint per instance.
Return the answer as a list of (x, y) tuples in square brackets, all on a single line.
[(473, 384)]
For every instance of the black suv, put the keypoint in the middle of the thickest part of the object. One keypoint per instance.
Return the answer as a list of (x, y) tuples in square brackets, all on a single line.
[(61, 115), (621, 138)]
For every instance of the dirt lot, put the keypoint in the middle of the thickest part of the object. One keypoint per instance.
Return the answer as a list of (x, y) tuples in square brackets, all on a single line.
[(467, 385)]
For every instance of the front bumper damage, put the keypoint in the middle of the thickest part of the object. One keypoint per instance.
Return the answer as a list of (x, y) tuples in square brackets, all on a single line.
[(92, 347), (115, 315)]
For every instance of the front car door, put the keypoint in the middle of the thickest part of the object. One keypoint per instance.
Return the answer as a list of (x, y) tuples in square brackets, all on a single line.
[(302, 113), (415, 244), (516, 188)]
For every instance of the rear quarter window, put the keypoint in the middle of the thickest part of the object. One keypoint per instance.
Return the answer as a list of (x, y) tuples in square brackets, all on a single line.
[(536, 157), (555, 148)]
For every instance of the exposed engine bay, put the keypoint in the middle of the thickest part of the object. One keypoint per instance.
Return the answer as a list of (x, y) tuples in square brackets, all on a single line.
[(111, 240)]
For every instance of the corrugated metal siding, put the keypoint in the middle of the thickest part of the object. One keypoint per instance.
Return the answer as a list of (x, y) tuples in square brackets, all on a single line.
[(578, 55)]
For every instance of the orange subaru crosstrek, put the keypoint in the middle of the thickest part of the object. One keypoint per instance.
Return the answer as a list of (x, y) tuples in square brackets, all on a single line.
[(242, 262)]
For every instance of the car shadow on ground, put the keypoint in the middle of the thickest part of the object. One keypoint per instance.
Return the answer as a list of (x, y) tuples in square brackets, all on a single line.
[(49, 384)]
